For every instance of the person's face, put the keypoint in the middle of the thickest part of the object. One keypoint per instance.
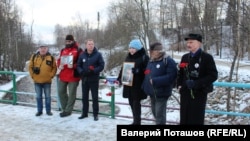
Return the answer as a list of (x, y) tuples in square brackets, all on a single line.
[(154, 54), (68, 43), (132, 50), (90, 46), (193, 45), (43, 50)]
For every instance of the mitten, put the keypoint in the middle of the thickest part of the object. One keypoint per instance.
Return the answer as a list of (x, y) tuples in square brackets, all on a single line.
[(190, 84)]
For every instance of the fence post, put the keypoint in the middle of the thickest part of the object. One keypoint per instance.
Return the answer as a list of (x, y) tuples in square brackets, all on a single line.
[(113, 102), (14, 89)]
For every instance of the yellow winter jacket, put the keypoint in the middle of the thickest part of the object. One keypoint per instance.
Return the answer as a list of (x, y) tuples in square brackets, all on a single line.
[(46, 65)]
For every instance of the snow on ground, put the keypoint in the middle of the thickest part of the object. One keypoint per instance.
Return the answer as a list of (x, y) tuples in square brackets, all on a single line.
[(18, 123)]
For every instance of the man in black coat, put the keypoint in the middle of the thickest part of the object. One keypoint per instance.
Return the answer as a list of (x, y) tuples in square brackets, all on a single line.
[(195, 80), (89, 65)]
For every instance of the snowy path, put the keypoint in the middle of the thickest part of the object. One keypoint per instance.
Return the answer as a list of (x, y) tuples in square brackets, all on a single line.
[(18, 123)]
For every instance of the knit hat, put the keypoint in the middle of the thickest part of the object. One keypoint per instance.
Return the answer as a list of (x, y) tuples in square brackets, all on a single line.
[(136, 44), (193, 36), (155, 46), (69, 37), (43, 46)]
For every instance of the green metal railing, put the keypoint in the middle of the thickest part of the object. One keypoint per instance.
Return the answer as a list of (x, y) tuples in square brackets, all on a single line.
[(13, 88), (14, 92)]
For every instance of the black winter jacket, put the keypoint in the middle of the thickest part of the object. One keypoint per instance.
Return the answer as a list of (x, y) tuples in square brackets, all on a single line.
[(201, 69), (85, 60), (140, 59)]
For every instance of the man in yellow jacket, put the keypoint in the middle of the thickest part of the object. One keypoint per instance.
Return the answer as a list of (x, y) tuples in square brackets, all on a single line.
[(42, 69)]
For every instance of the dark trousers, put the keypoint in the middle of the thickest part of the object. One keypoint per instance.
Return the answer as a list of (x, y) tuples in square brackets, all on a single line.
[(192, 111), (93, 87), (135, 105)]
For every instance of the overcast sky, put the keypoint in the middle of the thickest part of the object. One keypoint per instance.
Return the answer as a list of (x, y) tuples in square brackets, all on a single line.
[(47, 13)]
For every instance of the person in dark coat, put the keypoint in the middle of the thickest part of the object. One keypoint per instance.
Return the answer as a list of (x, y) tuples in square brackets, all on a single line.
[(161, 73), (89, 65), (195, 80), (134, 93)]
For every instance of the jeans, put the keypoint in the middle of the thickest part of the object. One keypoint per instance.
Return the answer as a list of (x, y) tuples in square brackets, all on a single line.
[(158, 106), (41, 88)]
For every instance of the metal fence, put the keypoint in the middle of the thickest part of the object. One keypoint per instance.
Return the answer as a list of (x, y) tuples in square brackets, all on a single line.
[(13, 91)]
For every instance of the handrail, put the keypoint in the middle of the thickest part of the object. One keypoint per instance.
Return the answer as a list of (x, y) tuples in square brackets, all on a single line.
[(15, 92), (112, 100), (232, 84)]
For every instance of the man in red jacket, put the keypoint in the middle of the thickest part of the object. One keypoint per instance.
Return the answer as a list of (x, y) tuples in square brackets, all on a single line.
[(67, 79)]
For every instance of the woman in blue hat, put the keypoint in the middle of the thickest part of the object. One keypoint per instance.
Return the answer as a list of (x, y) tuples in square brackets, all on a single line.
[(134, 93)]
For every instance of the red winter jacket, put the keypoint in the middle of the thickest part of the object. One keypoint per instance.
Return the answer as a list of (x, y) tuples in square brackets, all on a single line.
[(67, 74)]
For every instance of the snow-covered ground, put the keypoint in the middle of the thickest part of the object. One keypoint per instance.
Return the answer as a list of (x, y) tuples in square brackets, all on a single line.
[(18, 123)]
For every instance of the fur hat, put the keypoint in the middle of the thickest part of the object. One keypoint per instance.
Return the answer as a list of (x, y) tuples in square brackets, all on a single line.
[(136, 44), (193, 36), (69, 37), (155, 46)]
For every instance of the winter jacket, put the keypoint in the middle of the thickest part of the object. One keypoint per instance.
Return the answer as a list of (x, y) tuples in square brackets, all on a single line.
[(94, 59), (201, 69), (135, 91), (163, 75), (68, 74), (46, 65)]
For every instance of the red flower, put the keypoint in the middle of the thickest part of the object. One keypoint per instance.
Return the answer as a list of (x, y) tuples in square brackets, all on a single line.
[(147, 71), (91, 67), (116, 82), (184, 66), (109, 94), (106, 81)]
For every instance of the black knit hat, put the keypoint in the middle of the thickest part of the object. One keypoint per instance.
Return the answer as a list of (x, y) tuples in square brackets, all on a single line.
[(69, 37), (156, 46), (193, 36)]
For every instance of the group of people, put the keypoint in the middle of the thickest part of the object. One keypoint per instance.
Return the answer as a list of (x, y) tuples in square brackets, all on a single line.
[(157, 74), (154, 75), (73, 64)]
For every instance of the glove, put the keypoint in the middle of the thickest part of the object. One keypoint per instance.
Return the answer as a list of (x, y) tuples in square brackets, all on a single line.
[(135, 70), (190, 84), (91, 68)]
